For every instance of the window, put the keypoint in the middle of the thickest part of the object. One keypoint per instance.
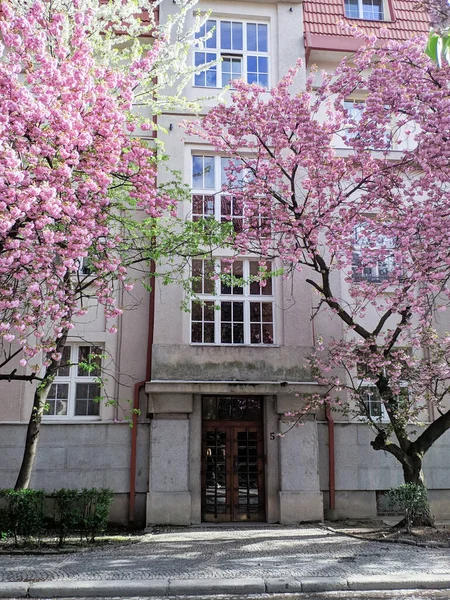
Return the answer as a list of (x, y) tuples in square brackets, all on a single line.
[(232, 306), (373, 259), (370, 10), (242, 49), (75, 390), (232, 408), (381, 137), (211, 201), (85, 267), (373, 406), (354, 110)]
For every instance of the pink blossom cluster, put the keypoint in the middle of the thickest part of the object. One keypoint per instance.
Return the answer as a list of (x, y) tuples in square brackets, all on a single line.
[(346, 194), (439, 11), (316, 197), (68, 167)]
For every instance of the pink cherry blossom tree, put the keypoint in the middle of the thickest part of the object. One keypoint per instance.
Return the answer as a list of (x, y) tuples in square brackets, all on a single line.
[(359, 201), (438, 47), (77, 176)]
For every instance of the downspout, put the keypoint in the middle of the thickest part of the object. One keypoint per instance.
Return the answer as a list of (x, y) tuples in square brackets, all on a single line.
[(331, 443), (137, 388), (331, 458), (148, 373)]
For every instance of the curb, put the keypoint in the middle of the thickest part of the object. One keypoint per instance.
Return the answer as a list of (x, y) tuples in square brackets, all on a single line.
[(211, 587)]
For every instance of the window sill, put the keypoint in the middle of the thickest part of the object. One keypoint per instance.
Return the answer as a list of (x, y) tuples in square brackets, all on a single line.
[(362, 420), (198, 345), (390, 289), (376, 281), (368, 20), (83, 278), (207, 87), (71, 420)]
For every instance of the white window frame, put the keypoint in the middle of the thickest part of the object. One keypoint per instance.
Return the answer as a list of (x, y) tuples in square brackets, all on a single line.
[(383, 417), (355, 108), (222, 55), (213, 197), (364, 16), (374, 275), (215, 296), (71, 380), (84, 268)]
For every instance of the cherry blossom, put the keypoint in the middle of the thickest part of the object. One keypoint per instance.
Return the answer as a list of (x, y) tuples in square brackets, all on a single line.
[(359, 201)]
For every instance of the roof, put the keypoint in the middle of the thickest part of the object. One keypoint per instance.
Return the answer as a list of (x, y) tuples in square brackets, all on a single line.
[(324, 31)]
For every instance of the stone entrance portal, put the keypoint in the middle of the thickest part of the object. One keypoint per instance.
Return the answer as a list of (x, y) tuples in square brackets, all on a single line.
[(215, 455), (232, 459)]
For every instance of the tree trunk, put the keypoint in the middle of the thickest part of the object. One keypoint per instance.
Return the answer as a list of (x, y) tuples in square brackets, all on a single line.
[(413, 473), (32, 439), (34, 424), (410, 457), (407, 452)]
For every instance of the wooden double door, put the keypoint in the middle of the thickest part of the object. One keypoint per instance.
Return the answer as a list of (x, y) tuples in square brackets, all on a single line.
[(233, 466)]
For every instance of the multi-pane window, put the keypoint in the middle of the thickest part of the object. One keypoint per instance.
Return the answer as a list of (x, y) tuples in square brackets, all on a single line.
[(384, 130), (354, 109), (373, 406), (240, 48), (370, 10), (373, 259), (75, 391), (210, 200), (234, 305)]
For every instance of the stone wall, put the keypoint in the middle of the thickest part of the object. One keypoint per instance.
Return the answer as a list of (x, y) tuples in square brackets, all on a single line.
[(81, 455), (361, 472)]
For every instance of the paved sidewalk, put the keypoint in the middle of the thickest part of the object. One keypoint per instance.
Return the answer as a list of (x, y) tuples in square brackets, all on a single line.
[(228, 560)]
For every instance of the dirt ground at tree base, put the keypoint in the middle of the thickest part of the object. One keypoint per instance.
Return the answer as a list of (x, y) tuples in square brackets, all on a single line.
[(377, 530)]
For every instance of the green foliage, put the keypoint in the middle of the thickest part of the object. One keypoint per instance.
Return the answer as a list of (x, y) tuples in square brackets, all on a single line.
[(67, 512), (22, 513), (94, 513), (438, 47), (411, 499)]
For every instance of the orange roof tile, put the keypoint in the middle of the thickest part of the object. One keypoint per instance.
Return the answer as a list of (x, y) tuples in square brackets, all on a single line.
[(322, 17)]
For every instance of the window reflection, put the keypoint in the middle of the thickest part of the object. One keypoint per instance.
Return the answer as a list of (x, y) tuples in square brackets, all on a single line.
[(232, 408)]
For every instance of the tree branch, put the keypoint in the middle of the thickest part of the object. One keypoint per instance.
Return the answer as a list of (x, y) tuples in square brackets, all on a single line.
[(382, 442), (325, 290), (434, 430), (13, 376)]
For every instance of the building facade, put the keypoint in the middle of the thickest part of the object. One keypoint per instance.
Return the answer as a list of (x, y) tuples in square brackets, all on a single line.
[(214, 384)]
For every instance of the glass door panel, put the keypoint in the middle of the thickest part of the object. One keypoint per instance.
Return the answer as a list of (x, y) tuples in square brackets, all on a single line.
[(248, 475), (232, 473), (216, 494)]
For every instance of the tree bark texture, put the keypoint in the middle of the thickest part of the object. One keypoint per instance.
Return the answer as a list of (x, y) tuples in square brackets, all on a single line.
[(411, 460), (34, 423)]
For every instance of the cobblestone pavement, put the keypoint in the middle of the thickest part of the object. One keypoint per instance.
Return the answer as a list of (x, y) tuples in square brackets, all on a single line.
[(198, 553)]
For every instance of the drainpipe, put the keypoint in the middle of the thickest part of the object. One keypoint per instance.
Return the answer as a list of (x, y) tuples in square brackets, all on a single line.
[(331, 458), (137, 388), (331, 445), (148, 373)]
